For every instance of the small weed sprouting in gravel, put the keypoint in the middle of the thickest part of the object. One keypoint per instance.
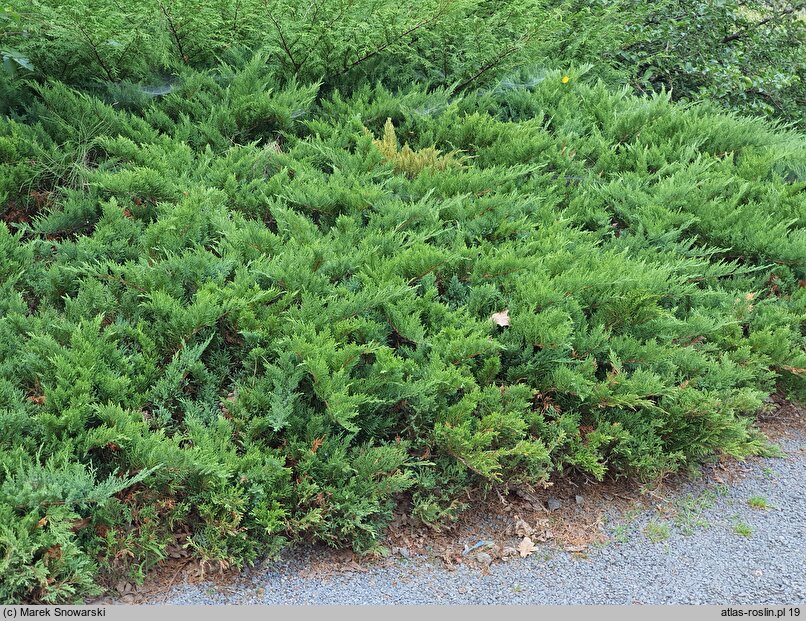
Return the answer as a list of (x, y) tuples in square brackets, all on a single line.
[(721, 490), (688, 511), (740, 528), (657, 532), (758, 502), (621, 534), (768, 472), (517, 588)]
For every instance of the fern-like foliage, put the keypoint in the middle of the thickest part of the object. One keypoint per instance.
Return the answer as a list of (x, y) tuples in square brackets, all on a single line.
[(409, 162)]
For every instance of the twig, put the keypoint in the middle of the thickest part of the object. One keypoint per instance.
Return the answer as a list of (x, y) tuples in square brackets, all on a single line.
[(121, 281), (173, 579), (284, 45), (741, 33), (175, 34), (96, 53), (389, 43), (235, 18), (495, 61), (315, 44)]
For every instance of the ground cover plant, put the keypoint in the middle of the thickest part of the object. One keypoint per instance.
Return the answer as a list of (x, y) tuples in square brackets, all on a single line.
[(254, 307)]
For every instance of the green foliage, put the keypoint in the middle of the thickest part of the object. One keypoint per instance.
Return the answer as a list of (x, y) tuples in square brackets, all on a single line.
[(657, 532), (409, 162), (742, 529), (758, 502), (341, 42), (745, 55), (231, 318)]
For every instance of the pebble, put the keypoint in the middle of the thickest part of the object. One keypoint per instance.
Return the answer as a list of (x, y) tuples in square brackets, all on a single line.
[(484, 558)]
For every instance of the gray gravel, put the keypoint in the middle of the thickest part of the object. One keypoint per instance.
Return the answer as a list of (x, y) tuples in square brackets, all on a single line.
[(703, 560)]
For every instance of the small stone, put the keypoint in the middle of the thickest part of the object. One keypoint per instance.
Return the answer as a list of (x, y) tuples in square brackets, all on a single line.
[(404, 552), (579, 499), (553, 504), (484, 558)]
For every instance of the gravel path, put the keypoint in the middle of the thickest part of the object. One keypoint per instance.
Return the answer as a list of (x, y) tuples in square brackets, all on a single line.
[(716, 550)]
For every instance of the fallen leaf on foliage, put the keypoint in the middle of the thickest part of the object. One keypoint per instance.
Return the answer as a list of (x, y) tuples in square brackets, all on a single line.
[(54, 552), (42, 522), (502, 318), (79, 524), (526, 547), (317, 444), (39, 400)]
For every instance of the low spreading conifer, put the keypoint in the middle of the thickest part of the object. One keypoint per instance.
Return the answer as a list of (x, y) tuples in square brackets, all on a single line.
[(232, 318)]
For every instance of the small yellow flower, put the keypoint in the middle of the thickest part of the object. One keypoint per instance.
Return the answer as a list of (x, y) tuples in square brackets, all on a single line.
[(565, 79)]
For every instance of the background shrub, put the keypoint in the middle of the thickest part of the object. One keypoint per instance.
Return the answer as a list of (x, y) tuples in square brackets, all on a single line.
[(743, 55)]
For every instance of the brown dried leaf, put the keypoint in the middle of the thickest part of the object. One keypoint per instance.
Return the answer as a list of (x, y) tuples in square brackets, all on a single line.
[(79, 524), (526, 547), (522, 528), (54, 552), (317, 444), (501, 318)]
